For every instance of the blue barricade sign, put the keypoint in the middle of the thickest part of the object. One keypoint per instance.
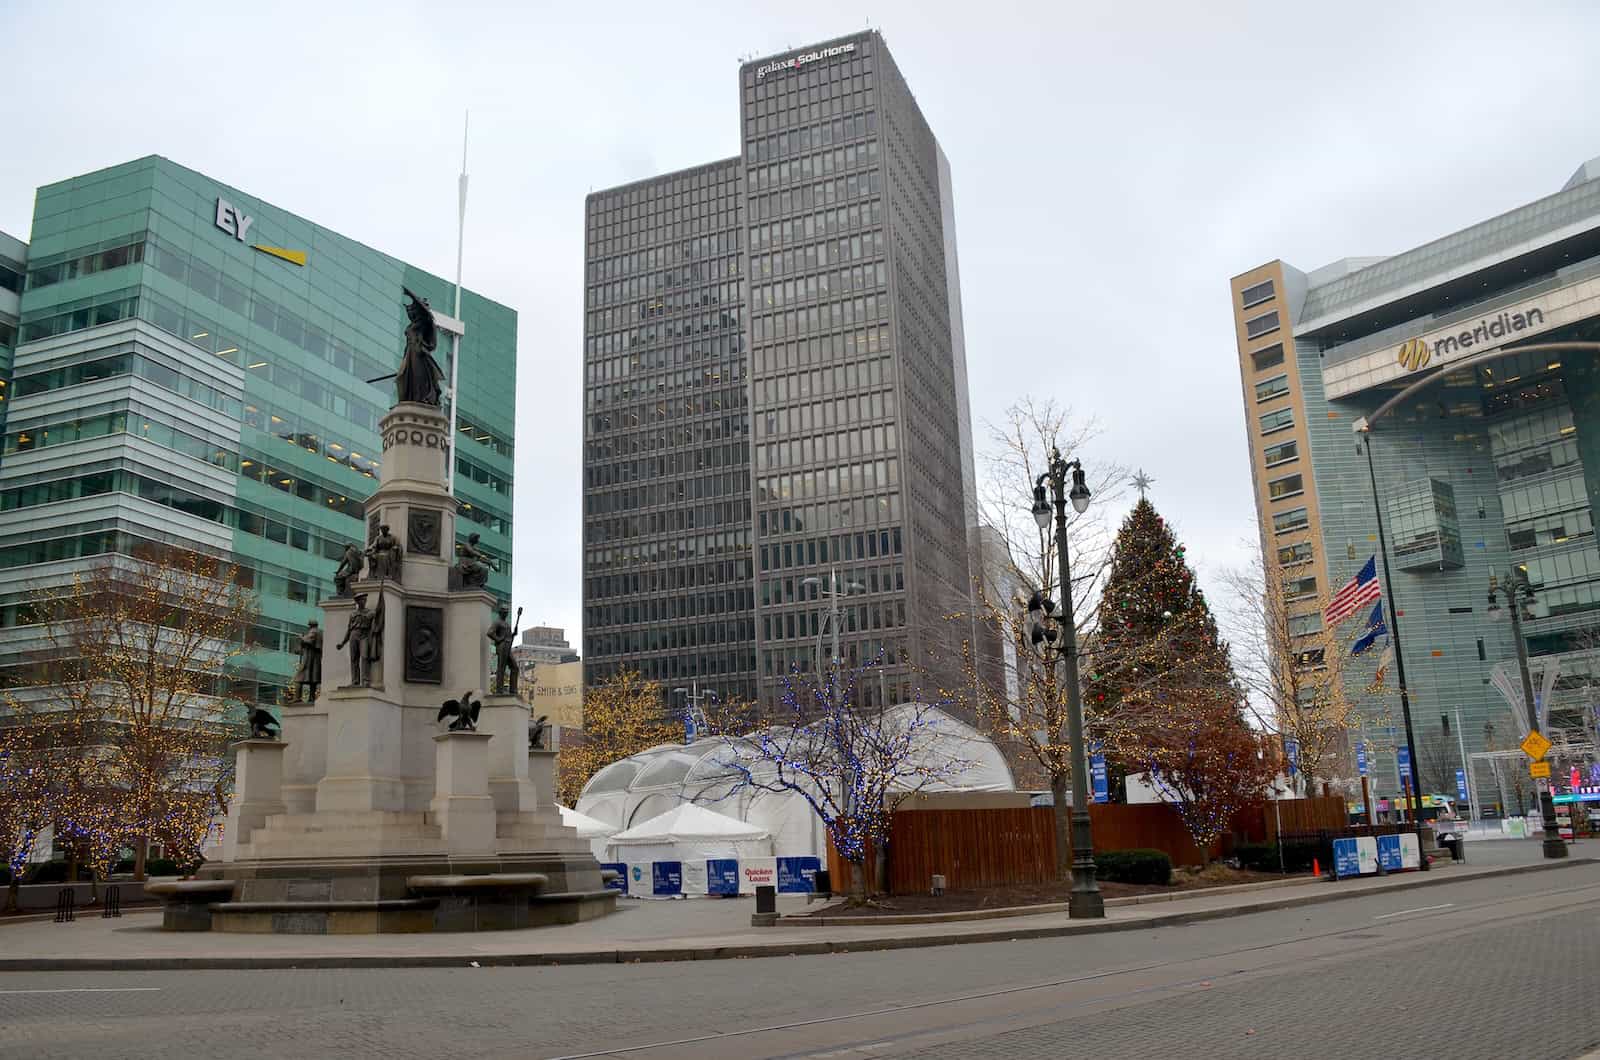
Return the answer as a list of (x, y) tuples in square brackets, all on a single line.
[(1361, 758), (621, 882), (1097, 773), (1403, 757), (722, 876), (1346, 858), (1461, 785), (666, 877), (1389, 853), (798, 875)]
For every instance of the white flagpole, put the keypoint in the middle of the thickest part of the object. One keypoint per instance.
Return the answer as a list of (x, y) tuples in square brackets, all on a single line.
[(455, 356)]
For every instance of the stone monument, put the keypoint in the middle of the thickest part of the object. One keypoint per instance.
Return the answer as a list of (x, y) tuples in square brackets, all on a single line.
[(368, 815)]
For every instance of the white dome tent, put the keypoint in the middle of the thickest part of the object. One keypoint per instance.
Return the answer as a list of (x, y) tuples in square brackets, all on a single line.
[(633, 790), (689, 833)]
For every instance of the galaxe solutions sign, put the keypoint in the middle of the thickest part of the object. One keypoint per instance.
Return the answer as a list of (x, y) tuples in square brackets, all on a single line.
[(795, 62)]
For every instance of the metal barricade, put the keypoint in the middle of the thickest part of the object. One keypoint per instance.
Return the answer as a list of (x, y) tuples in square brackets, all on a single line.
[(113, 903), (66, 900)]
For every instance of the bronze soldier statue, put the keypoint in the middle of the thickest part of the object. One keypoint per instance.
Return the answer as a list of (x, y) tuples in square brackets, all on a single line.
[(474, 563), (503, 635), (309, 674), (359, 635), (385, 554), (349, 570)]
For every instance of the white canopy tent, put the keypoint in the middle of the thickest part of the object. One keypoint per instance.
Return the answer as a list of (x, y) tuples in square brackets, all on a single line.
[(595, 831), (635, 789), (689, 833)]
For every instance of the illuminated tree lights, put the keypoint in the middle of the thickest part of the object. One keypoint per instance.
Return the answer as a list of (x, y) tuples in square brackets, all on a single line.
[(1162, 686), (125, 708), (853, 764)]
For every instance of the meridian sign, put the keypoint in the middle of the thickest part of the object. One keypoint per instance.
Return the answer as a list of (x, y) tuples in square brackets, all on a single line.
[(1450, 343), (795, 62)]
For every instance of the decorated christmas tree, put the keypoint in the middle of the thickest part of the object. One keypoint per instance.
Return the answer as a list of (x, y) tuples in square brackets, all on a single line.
[(1160, 689)]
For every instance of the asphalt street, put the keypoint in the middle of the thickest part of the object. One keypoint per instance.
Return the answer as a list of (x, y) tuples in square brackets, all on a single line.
[(1490, 968)]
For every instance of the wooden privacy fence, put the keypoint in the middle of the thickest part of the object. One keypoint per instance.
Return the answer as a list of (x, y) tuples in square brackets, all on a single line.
[(995, 847)]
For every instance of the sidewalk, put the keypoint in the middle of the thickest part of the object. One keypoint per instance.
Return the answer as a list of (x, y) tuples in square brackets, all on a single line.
[(658, 931)]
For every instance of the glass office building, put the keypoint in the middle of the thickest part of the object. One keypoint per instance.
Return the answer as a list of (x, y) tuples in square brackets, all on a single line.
[(1486, 448), (776, 395), (192, 367)]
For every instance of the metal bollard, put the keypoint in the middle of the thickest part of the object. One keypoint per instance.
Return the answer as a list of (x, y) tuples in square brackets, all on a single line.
[(113, 906), (65, 908)]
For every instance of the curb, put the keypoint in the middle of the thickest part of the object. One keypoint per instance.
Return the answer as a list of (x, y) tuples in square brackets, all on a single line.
[(718, 953), (1001, 912)]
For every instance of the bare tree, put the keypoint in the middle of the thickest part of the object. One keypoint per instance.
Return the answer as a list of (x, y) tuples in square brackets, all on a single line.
[(853, 763), (1007, 687), (1301, 680)]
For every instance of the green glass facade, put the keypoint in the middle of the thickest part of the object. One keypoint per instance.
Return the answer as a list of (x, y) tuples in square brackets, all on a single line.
[(180, 381)]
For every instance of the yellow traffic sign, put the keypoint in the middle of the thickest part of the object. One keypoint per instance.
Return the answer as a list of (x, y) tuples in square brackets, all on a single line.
[(1539, 770), (1535, 745)]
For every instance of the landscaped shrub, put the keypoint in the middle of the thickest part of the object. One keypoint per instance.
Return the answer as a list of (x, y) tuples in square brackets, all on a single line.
[(1134, 866), (1263, 857), (49, 872), (162, 867)]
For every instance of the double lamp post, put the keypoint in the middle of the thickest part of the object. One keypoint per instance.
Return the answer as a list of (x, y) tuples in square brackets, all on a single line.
[(1054, 634)]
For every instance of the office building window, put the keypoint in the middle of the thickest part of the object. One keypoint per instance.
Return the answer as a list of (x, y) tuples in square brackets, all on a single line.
[(1257, 294), (1281, 453), (1287, 486), (1305, 625), (1268, 389), (1264, 324), (1299, 552), (1283, 522), (1280, 420), (1299, 588), (1268, 357)]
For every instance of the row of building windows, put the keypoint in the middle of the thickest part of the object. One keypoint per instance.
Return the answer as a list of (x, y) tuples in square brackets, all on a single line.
[(794, 229), (1255, 294), (1261, 325), (709, 403), (676, 550), (658, 492), (637, 381), (1268, 389), (602, 455), (615, 266), (871, 651), (815, 483), (671, 521), (159, 372), (1277, 420), (674, 637), (1290, 555), (1295, 519), (634, 579), (833, 548), (1268, 358), (1281, 453), (85, 264), (800, 141), (883, 578), (633, 609), (853, 618), (763, 146), (121, 418), (687, 327), (1287, 486), (808, 196), (723, 271), (825, 285), (11, 275)]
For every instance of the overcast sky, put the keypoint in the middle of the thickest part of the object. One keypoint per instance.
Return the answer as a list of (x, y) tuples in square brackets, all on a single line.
[(1114, 165)]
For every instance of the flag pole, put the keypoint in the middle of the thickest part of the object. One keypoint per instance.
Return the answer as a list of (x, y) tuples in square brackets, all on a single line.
[(455, 346), (1364, 428)]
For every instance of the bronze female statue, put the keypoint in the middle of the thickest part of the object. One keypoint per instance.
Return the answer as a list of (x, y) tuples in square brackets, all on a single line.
[(419, 376)]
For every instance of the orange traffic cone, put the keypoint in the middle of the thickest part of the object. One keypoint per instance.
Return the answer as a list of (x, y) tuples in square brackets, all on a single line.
[(1316, 867)]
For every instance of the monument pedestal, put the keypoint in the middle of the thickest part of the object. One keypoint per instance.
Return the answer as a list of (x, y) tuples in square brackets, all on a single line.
[(368, 818), (461, 802), (257, 791)]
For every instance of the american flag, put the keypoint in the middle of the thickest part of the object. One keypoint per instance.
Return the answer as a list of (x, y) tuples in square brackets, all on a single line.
[(1358, 592)]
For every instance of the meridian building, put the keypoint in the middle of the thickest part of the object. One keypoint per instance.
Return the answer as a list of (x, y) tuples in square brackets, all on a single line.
[(776, 427), (1485, 445), (193, 366)]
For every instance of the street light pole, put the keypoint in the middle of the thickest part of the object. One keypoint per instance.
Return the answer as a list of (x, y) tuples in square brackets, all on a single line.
[(833, 592), (1364, 429), (1085, 899), (1516, 591)]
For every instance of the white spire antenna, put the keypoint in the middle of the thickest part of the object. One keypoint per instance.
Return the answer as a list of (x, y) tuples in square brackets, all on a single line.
[(455, 356)]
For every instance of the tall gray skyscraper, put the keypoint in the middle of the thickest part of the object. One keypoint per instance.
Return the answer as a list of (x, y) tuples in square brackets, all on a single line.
[(775, 397)]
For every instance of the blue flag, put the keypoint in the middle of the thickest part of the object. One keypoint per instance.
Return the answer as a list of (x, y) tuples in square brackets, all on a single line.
[(1376, 627)]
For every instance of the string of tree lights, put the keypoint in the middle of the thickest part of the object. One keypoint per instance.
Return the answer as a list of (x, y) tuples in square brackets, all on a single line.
[(853, 763), (124, 712), (1162, 686)]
